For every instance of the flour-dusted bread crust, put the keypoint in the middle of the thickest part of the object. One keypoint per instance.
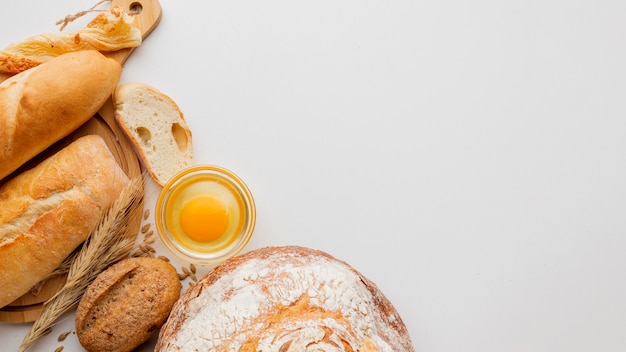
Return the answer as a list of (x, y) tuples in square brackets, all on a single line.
[(43, 104), (51, 209), (126, 304), (284, 299), (157, 128)]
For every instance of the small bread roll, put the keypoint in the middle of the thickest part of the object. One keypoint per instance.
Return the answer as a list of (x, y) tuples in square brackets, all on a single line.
[(126, 304)]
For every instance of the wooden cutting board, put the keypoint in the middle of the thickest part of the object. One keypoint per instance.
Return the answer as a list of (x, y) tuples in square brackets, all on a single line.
[(147, 16)]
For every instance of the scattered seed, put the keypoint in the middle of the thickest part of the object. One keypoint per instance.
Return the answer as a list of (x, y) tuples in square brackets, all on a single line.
[(162, 257), (147, 248), (149, 240), (47, 331), (63, 336), (136, 253), (192, 267), (146, 214), (182, 276), (189, 273), (149, 233), (58, 349), (145, 228)]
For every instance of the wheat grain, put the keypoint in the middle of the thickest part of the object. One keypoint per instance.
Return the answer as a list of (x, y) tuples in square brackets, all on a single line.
[(63, 336)]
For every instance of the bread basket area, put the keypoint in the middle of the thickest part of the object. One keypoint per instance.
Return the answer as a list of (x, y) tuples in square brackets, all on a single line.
[(288, 176)]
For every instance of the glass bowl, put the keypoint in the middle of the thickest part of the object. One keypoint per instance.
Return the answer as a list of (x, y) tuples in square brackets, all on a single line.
[(205, 214)]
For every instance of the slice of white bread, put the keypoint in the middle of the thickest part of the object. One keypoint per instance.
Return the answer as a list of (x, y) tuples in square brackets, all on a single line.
[(156, 127)]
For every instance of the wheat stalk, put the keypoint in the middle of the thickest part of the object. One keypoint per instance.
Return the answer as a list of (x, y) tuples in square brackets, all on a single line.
[(110, 242)]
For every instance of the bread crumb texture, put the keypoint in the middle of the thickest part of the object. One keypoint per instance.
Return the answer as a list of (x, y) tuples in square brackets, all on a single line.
[(157, 128), (284, 299), (126, 304)]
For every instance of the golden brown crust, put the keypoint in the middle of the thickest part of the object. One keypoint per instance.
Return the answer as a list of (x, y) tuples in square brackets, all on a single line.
[(50, 209), (126, 304), (284, 299), (41, 105)]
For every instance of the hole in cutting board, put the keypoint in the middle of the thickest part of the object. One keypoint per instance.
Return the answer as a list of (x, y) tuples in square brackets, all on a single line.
[(135, 8)]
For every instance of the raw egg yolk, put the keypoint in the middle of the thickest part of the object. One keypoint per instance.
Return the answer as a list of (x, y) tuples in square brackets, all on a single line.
[(204, 219)]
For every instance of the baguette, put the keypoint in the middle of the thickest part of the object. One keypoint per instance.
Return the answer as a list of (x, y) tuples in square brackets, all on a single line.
[(43, 104), (49, 210)]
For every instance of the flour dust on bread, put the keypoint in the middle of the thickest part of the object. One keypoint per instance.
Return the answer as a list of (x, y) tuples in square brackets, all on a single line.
[(284, 299), (157, 128)]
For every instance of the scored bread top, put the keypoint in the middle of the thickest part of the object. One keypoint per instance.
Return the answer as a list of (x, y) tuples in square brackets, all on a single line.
[(284, 299), (126, 304), (156, 127), (50, 209)]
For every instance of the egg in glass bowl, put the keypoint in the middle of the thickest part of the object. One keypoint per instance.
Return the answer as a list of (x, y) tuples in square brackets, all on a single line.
[(205, 214)]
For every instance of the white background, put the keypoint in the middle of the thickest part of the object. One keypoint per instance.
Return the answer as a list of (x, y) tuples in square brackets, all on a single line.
[(467, 156)]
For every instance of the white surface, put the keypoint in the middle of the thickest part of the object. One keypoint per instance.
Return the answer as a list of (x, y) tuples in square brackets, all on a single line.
[(467, 156)]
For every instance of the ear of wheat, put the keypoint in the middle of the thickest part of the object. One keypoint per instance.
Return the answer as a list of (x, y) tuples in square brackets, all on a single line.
[(110, 242)]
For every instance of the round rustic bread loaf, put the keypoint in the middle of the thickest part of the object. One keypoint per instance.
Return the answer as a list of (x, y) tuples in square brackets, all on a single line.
[(284, 299), (126, 304)]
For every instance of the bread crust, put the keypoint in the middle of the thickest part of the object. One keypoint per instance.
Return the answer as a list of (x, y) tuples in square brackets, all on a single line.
[(284, 299), (126, 304), (41, 105), (50, 209)]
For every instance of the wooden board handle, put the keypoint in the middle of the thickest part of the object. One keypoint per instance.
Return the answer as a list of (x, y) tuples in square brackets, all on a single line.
[(147, 14)]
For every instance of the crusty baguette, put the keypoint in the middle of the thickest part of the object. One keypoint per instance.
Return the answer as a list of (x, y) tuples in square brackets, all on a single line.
[(284, 299), (126, 304), (156, 126), (41, 105), (50, 209)]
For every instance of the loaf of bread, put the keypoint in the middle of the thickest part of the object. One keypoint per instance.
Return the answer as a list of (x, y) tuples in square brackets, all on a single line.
[(52, 208), (284, 299), (156, 126), (126, 304), (43, 104)]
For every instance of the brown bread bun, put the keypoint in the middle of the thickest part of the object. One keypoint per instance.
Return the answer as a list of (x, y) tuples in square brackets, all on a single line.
[(284, 299), (52, 208), (43, 104), (126, 304)]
